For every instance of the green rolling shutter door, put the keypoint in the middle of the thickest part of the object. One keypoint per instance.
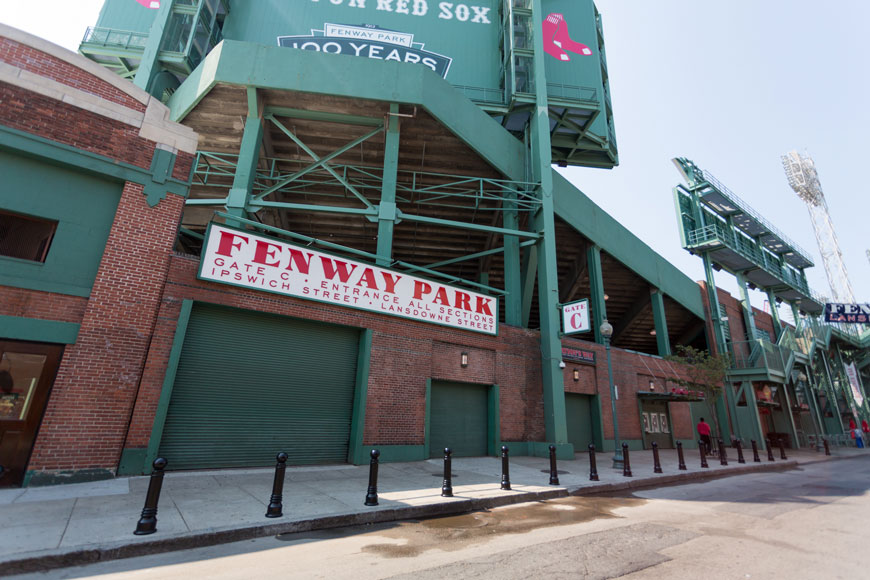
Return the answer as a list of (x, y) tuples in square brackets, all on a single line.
[(579, 419), (458, 419), (249, 385)]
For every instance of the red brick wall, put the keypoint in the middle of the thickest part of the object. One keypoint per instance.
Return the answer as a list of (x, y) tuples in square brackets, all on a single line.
[(86, 420), (37, 62), (41, 305)]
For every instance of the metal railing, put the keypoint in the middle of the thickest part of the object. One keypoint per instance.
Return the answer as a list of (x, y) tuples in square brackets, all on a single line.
[(572, 93), (747, 209), (758, 354), (110, 37)]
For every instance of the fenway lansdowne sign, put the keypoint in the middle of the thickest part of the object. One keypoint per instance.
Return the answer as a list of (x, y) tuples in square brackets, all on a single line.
[(243, 258)]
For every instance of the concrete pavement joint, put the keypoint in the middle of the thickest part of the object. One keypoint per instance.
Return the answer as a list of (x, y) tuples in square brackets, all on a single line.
[(53, 559)]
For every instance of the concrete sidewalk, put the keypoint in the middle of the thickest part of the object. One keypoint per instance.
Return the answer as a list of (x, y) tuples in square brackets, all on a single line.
[(50, 527)]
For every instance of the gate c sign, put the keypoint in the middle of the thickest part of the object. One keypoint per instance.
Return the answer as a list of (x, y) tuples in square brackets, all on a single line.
[(575, 317)]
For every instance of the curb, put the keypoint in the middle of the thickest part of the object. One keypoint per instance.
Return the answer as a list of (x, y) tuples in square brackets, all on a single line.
[(41, 562)]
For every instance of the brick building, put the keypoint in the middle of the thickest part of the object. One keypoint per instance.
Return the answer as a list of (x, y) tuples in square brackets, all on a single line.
[(321, 253)]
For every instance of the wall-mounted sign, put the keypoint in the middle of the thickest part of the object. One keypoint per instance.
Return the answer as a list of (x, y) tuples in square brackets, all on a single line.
[(153, 4), (243, 258), (578, 355), (557, 40), (575, 317), (369, 41), (859, 313)]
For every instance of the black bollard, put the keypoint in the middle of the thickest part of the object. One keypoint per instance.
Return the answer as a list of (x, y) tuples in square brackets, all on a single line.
[(276, 507), (505, 473), (827, 448), (148, 521), (755, 457), (723, 458), (701, 448), (593, 469), (782, 449), (447, 486), (372, 493), (739, 447), (626, 464), (680, 456), (657, 465), (769, 450), (554, 475)]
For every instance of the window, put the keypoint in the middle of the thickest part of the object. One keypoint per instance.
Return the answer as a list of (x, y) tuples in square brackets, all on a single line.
[(25, 237)]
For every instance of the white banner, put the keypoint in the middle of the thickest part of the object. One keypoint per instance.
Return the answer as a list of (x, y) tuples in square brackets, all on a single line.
[(852, 373), (243, 258)]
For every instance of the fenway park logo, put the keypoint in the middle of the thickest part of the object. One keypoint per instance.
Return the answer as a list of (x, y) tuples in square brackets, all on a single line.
[(369, 41)]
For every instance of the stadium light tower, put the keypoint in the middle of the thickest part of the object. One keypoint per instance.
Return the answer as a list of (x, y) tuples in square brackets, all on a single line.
[(804, 180)]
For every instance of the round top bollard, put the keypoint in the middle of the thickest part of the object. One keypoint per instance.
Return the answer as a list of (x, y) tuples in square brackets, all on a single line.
[(447, 451), (552, 447), (654, 444), (159, 464), (281, 457), (504, 448), (375, 454)]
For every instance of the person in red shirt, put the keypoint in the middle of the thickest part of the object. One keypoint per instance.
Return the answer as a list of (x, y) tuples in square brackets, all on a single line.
[(704, 433)]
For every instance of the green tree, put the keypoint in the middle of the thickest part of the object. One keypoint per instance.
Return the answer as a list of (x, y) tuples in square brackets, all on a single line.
[(703, 372)]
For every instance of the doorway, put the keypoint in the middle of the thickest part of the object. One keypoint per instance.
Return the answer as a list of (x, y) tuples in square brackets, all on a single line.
[(27, 373)]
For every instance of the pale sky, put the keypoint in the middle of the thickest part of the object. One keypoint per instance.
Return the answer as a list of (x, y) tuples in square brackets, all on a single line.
[(731, 85)]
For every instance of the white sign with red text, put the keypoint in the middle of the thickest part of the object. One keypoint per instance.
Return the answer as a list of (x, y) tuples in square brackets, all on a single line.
[(243, 258), (575, 317)]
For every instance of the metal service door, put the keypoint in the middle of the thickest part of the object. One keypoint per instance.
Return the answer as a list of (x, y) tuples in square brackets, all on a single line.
[(250, 385), (458, 419), (578, 409), (656, 422), (27, 372)]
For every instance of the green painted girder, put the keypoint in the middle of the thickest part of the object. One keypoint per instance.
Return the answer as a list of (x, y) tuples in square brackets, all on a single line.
[(477, 255), (594, 223), (272, 67)]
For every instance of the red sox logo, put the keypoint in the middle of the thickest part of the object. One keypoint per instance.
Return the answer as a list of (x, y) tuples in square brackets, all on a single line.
[(557, 41), (153, 4)]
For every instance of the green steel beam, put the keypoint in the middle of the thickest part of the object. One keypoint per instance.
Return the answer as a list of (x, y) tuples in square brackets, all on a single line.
[(727, 396), (544, 222), (246, 168), (596, 291), (149, 66), (387, 206), (578, 211), (469, 226), (317, 164), (774, 313), (254, 206), (746, 306), (477, 255), (663, 341), (326, 117), (326, 166), (250, 64), (513, 307), (529, 274)]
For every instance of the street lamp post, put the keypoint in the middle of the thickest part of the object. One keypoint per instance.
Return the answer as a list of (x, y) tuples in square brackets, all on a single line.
[(606, 332)]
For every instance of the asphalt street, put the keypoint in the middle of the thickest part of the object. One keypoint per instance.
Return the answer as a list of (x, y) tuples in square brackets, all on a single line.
[(802, 523)]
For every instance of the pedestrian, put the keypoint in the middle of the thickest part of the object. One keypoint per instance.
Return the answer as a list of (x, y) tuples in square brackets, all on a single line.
[(704, 433)]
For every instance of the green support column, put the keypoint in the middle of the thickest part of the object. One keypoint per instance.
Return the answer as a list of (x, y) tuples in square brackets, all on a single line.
[(721, 348), (548, 283), (774, 313), (513, 285), (149, 66), (596, 291), (746, 306), (832, 395), (812, 390), (387, 207), (795, 311), (789, 414), (249, 155), (529, 275), (663, 341)]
